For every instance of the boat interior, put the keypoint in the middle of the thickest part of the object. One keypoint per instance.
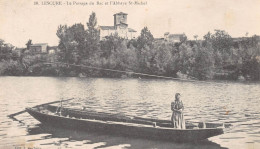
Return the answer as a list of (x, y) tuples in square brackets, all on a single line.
[(93, 115)]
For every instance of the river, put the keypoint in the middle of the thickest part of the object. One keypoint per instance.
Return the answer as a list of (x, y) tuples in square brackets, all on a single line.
[(229, 102)]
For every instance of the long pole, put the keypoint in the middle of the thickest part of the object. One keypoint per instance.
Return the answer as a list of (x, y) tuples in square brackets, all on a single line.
[(121, 71), (21, 112)]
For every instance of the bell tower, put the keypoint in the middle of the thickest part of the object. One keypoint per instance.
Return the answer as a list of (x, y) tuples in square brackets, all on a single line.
[(120, 19)]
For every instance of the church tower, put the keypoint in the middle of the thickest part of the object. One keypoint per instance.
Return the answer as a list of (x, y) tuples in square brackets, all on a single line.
[(119, 28), (120, 20)]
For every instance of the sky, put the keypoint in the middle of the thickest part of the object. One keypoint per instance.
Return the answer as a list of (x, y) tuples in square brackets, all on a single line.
[(21, 20)]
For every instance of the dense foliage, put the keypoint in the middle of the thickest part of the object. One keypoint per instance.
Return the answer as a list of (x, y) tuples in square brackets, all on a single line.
[(217, 56)]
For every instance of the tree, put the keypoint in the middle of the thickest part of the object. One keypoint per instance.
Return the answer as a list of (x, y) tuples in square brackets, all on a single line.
[(67, 44), (132, 43), (78, 32), (221, 41), (11, 68), (166, 60), (110, 45), (91, 24), (222, 44), (249, 52), (251, 68), (202, 67), (146, 59), (5, 50), (196, 61), (92, 37), (28, 44), (72, 42), (186, 58), (145, 39), (77, 44), (79, 41)]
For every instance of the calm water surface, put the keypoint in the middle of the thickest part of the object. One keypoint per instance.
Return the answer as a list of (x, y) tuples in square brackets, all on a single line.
[(229, 102)]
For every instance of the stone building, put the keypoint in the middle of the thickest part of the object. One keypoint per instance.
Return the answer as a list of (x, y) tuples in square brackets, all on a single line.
[(174, 37), (120, 27), (39, 48)]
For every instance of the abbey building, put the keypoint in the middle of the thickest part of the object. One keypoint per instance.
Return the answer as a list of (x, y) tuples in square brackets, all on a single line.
[(120, 27)]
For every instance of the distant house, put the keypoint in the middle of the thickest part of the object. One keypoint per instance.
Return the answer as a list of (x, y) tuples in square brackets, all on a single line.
[(39, 48), (120, 27), (239, 39), (174, 37)]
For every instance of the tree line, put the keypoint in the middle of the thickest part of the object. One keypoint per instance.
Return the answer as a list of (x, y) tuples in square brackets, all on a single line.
[(217, 56)]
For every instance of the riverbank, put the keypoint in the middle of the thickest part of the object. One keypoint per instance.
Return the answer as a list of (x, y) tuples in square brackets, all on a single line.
[(180, 77), (116, 57)]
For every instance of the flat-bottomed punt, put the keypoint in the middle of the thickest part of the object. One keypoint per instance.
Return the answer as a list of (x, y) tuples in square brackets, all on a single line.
[(122, 125)]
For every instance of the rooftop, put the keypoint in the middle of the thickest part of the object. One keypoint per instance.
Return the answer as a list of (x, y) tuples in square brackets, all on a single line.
[(107, 27), (175, 35), (39, 44), (121, 13), (167, 33), (131, 30)]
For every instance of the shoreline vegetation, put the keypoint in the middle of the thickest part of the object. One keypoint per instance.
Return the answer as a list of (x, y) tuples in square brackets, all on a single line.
[(217, 57)]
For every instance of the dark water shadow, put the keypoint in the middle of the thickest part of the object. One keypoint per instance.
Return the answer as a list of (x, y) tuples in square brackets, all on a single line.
[(133, 143)]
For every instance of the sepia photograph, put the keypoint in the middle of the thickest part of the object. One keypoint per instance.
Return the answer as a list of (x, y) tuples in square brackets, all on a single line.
[(129, 74)]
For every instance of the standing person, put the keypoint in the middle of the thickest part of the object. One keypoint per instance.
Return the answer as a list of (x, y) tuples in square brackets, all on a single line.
[(177, 113)]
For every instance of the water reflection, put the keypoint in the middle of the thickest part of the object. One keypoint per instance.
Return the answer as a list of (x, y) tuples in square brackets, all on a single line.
[(97, 140)]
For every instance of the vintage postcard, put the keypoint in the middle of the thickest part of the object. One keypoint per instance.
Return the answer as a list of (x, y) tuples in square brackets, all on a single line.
[(132, 74)]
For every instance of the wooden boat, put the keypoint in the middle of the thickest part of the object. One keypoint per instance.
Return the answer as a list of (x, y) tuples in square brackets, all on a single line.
[(121, 125)]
